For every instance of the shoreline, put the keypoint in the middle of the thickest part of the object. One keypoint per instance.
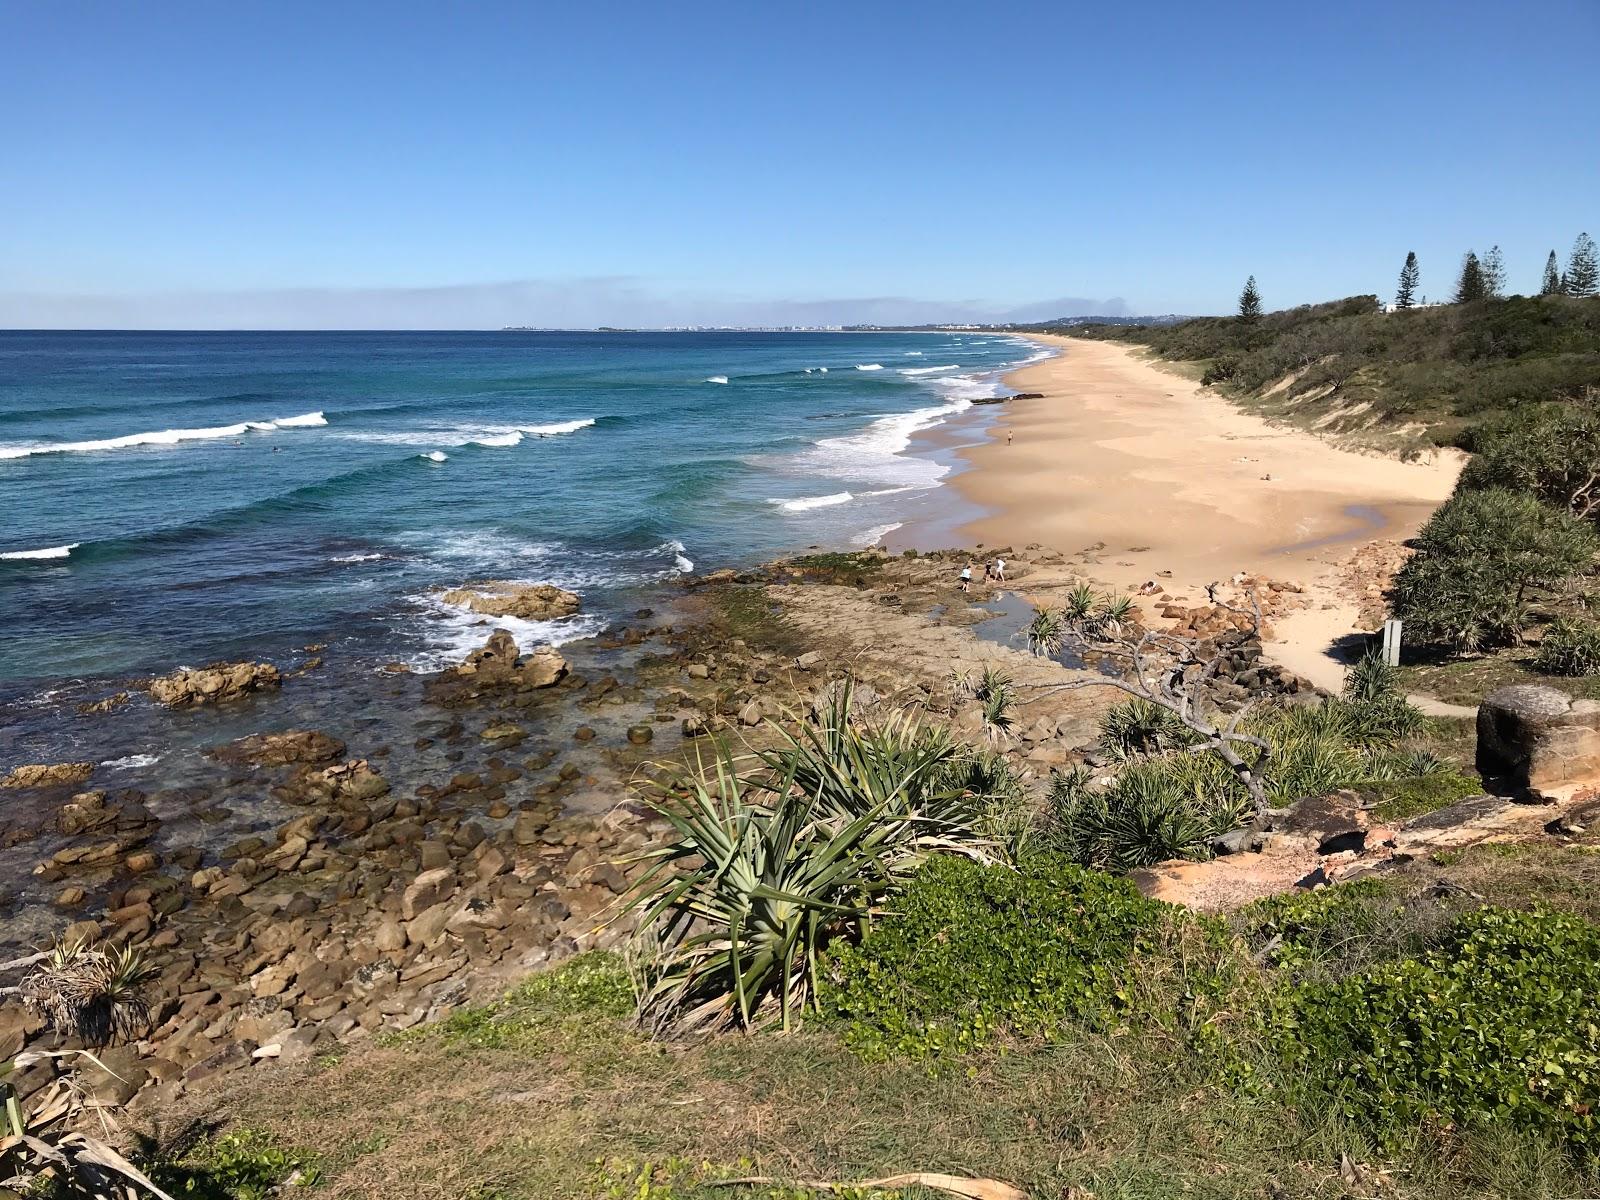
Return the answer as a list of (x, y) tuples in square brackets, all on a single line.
[(1159, 481)]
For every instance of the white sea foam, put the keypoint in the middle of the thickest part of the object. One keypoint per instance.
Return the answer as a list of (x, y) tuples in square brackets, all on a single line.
[(355, 558), (47, 552), (451, 632), (871, 537), (929, 370), (131, 762), (716, 379), (869, 366), (493, 436), (680, 556), (808, 502), (163, 437), (558, 428), (913, 353), (437, 456)]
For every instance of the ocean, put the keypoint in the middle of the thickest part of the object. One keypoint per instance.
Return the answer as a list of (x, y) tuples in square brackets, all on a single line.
[(177, 498)]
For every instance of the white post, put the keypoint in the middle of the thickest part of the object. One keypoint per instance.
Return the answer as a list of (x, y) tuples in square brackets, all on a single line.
[(1391, 641)]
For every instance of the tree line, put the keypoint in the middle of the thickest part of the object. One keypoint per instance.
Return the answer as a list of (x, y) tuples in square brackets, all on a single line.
[(1479, 278)]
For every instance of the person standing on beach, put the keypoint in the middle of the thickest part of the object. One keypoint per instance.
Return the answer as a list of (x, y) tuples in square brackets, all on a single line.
[(966, 578), (1008, 437)]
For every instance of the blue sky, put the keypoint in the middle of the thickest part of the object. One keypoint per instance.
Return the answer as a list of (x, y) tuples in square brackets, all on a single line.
[(431, 165)]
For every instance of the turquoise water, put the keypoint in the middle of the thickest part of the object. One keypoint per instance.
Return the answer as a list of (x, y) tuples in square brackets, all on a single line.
[(179, 497)]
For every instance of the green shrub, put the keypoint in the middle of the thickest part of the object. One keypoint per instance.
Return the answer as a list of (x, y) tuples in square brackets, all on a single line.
[(1152, 810), (1569, 647), (242, 1165), (1478, 558), (1499, 1026), (767, 865), (1137, 726), (968, 951), (1548, 451)]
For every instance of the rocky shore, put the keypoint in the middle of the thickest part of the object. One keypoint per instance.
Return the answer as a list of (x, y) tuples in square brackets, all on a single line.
[(320, 891)]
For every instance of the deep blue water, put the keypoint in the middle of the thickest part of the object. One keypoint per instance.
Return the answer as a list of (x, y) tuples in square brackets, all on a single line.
[(176, 497)]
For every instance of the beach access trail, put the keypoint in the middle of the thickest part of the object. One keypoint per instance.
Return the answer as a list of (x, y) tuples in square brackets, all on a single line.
[(1163, 480)]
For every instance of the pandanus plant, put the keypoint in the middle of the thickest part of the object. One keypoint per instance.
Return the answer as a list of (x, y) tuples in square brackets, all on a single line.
[(771, 861)]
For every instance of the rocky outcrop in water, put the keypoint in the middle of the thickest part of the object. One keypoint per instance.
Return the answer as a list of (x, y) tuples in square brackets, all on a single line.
[(213, 684), (279, 749), (41, 775), (526, 601)]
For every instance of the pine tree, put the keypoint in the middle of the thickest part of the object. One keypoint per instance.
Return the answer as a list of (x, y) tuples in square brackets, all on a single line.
[(1494, 274), (1551, 286), (1583, 268), (1406, 295), (1470, 285), (1250, 302)]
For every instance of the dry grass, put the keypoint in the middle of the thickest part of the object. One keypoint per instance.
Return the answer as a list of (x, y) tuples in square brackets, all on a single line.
[(1467, 681), (531, 1114)]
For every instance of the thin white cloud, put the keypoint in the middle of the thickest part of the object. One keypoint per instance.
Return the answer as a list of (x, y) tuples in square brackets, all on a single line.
[(570, 304)]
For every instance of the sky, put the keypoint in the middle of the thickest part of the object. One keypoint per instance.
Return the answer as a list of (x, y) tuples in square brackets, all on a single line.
[(427, 165)]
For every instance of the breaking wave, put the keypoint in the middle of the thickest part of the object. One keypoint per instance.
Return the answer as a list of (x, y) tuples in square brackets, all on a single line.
[(164, 437), (47, 552)]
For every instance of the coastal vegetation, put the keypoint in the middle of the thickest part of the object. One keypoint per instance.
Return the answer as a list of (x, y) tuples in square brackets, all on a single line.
[(1412, 379)]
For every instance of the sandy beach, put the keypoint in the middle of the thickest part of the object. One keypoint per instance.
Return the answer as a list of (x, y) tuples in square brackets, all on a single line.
[(1173, 478)]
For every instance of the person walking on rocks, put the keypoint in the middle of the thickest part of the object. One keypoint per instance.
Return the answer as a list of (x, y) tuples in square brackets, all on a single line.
[(999, 570), (966, 578)]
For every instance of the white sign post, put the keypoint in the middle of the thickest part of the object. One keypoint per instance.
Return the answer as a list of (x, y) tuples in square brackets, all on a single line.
[(1391, 641)]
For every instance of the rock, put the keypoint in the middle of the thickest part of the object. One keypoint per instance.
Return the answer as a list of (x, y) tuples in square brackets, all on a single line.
[(429, 925), (426, 890), (640, 735), (527, 601), (41, 775), (1535, 739), (109, 704), (699, 671), (809, 661), (279, 749), (863, 699), (751, 713), (118, 1077), (210, 685), (496, 664)]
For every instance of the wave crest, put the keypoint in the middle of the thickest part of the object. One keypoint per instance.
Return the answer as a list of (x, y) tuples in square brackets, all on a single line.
[(164, 437)]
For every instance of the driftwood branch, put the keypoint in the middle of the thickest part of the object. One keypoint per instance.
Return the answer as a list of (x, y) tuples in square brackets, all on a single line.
[(1174, 672)]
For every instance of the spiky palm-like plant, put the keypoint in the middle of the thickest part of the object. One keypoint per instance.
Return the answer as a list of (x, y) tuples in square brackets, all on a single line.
[(768, 864), (1114, 614), (1080, 604), (1137, 726), (1047, 632)]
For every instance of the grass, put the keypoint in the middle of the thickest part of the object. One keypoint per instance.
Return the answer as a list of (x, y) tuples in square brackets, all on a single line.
[(746, 612), (552, 1093), (852, 568), (1467, 681), (1402, 799)]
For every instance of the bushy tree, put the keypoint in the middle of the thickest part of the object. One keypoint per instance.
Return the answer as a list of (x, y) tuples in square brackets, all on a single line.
[(1548, 451), (1406, 294), (1494, 273), (1470, 284), (1551, 284), (1478, 558), (1250, 302), (1583, 268)]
